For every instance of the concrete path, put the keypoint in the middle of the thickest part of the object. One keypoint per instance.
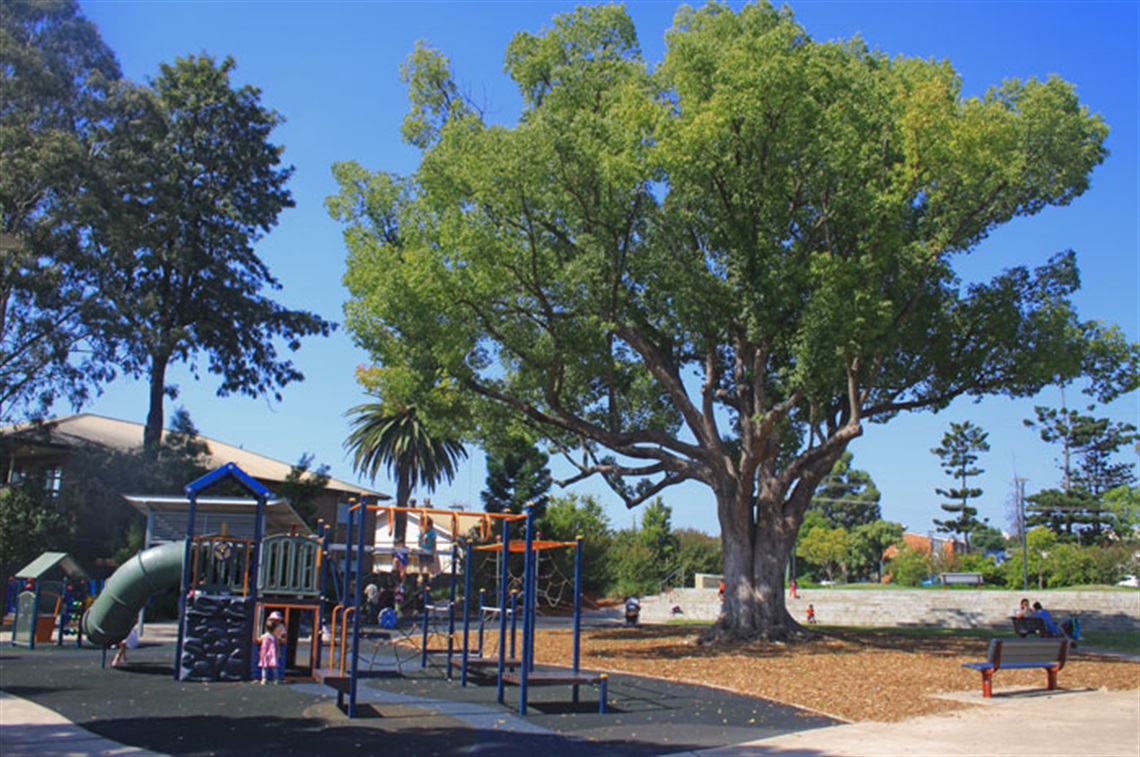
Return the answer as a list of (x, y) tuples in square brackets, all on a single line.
[(1059, 724), (28, 729)]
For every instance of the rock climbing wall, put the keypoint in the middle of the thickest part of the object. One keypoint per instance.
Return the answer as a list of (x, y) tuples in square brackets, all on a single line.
[(217, 641)]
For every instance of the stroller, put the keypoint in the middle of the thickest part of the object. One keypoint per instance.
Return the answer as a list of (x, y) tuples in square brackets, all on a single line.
[(632, 610)]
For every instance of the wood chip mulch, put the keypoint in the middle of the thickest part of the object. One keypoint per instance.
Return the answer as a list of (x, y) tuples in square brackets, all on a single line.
[(857, 676)]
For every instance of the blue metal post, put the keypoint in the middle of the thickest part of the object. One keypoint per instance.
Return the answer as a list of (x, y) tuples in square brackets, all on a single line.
[(358, 588), (451, 605), (192, 496), (35, 614), (251, 601), (528, 602), (577, 608), (322, 534), (482, 620), (504, 579), (427, 620), (577, 601), (467, 614)]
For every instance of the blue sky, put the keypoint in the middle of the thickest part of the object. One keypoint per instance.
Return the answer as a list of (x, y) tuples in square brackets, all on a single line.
[(332, 70)]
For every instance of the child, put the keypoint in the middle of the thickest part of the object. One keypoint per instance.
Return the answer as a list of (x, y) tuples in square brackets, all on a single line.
[(269, 652), (811, 614), (130, 642), (428, 538)]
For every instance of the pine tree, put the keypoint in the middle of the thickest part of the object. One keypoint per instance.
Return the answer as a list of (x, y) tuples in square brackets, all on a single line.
[(959, 452), (516, 474)]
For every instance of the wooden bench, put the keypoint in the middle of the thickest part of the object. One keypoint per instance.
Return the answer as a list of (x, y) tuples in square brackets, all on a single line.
[(1034, 626), (1012, 654), (1028, 626), (973, 579)]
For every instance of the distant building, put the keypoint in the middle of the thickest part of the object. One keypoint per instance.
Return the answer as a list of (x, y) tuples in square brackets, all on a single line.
[(44, 450), (927, 544)]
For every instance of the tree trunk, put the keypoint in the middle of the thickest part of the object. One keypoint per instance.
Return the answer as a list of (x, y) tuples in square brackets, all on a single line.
[(755, 558), (152, 432), (400, 520)]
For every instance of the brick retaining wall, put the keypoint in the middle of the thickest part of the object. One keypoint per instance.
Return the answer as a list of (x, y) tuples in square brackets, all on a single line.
[(950, 608)]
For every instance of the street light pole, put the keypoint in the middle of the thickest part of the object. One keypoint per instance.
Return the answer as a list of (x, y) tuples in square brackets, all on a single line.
[(1020, 484)]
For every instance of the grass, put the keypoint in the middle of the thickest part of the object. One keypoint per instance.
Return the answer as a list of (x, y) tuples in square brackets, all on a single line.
[(1115, 641)]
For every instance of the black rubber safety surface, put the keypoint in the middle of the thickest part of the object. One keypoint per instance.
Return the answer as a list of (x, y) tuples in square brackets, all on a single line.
[(418, 713)]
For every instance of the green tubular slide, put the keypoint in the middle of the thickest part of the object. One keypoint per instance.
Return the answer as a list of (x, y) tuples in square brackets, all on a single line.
[(115, 611)]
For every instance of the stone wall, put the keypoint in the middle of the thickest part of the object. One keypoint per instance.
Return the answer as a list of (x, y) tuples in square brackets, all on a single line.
[(949, 608)]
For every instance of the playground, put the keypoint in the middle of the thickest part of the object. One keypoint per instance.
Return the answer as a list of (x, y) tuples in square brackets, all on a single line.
[(884, 676), (431, 663)]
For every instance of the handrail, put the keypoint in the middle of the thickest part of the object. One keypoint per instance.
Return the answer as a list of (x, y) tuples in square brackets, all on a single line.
[(663, 584), (332, 636), (344, 638)]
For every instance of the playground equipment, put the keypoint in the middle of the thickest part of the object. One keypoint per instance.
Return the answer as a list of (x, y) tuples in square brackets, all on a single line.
[(115, 611), (53, 590), (521, 672), (345, 679), (227, 585)]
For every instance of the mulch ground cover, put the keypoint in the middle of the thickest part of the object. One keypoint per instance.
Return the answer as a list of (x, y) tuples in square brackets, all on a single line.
[(855, 675)]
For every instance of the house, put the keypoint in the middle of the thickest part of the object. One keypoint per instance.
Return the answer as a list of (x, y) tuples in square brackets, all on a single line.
[(943, 548), (44, 450), (928, 544)]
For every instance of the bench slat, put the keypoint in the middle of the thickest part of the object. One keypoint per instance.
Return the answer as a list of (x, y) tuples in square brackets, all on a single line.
[(1023, 652), (1049, 654)]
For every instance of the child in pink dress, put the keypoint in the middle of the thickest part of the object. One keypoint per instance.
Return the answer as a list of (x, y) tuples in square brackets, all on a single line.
[(269, 653)]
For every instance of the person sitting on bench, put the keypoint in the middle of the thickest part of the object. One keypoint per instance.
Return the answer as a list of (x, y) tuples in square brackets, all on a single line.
[(1051, 627)]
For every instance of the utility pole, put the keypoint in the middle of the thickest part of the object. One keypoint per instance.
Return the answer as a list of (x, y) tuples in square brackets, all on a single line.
[(1019, 483)]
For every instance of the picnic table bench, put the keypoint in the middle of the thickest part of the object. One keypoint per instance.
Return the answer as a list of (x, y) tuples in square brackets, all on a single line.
[(1011, 654), (973, 579)]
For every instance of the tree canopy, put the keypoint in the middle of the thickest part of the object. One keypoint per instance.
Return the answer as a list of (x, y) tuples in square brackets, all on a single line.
[(55, 76), (516, 476), (719, 268), (847, 497), (401, 442), (193, 183)]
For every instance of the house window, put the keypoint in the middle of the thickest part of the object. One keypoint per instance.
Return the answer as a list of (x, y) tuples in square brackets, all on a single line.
[(53, 481)]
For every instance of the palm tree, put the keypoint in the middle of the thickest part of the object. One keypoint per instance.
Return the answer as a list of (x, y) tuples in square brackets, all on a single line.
[(400, 442)]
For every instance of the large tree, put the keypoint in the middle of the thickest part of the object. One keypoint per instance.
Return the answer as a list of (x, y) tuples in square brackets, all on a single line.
[(1090, 468), (55, 75), (193, 183), (720, 268)]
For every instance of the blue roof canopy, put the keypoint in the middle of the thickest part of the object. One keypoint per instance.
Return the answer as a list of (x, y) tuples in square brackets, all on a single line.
[(229, 471)]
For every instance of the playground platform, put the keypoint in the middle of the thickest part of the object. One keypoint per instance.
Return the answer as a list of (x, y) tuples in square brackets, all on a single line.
[(140, 711)]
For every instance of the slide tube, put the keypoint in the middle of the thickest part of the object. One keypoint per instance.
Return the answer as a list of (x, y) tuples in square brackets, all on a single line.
[(115, 611)]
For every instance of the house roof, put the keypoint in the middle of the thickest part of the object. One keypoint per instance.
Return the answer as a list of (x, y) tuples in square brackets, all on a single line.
[(87, 428), (168, 515)]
